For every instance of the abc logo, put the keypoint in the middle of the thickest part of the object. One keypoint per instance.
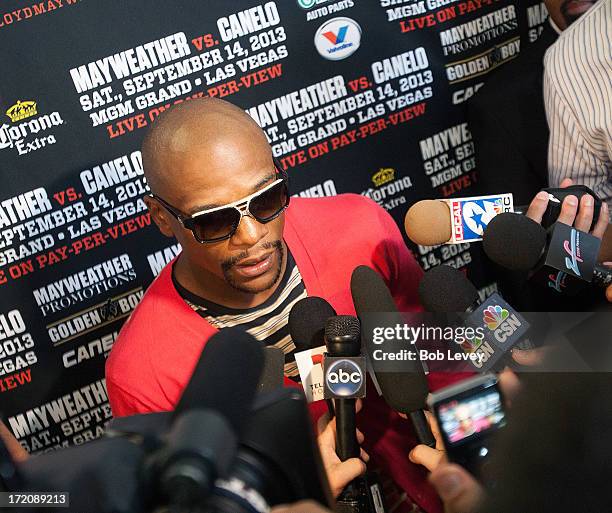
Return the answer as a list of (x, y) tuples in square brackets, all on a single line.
[(344, 378)]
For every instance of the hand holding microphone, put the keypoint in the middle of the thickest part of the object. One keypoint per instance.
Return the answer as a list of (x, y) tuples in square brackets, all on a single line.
[(561, 248), (307, 324), (339, 473), (459, 490), (458, 220), (580, 221), (579, 212)]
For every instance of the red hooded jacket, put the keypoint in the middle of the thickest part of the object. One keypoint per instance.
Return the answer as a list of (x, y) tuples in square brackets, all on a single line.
[(158, 347)]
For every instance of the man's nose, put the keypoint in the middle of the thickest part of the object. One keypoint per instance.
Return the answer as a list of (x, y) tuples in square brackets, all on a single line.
[(249, 232)]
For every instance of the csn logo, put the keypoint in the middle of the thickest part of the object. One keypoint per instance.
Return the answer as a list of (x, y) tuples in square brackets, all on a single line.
[(344, 378), (338, 38), (501, 323)]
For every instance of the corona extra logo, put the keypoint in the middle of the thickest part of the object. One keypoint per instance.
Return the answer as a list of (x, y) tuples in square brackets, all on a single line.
[(385, 175), (22, 110)]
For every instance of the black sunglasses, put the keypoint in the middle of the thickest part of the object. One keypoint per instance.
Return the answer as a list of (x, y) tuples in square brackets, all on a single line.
[(220, 223)]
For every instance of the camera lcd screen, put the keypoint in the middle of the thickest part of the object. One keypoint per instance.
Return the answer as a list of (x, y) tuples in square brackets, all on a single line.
[(466, 417)]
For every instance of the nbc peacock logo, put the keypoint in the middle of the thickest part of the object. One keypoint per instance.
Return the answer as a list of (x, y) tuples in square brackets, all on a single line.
[(493, 316)]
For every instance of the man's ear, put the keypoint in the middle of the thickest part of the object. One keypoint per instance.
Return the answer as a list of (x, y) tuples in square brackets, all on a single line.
[(160, 216)]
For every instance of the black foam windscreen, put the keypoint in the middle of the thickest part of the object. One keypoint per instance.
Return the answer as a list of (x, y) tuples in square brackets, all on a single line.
[(514, 241), (273, 370), (369, 291), (343, 335), (225, 377), (445, 289), (307, 322), (342, 326), (403, 391), (397, 390)]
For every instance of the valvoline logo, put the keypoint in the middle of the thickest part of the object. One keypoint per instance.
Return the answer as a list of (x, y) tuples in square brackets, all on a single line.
[(338, 38)]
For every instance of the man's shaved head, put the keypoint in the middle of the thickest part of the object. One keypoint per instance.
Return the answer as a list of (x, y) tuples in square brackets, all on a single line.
[(192, 126), (204, 154)]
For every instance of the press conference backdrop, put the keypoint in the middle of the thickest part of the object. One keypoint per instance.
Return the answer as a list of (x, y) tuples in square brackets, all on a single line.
[(354, 96)]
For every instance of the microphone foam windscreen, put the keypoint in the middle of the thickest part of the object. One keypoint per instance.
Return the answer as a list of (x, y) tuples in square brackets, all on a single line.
[(225, 377), (307, 322), (514, 241), (273, 370), (400, 393), (445, 289), (428, 223), (341, 326), (343, 335), (403, 391), (370, 292)]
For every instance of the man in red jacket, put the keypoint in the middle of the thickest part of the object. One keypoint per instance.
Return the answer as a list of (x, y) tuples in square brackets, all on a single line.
[(247, 257)]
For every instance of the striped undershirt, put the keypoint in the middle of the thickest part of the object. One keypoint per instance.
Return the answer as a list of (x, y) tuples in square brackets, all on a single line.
[(266, 322), (578, 98)]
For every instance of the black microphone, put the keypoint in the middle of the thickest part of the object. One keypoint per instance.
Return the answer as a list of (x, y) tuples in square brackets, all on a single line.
[(200, 445), (307, 322), (307, 327), (278, 461), (208, 420), (344, 371), (405, 392), (273, 370), (433, 222), (556, 196), (444, 289), (519, 243)]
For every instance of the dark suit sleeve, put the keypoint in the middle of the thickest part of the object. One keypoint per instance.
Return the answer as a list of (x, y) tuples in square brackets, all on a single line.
[(500, 164)]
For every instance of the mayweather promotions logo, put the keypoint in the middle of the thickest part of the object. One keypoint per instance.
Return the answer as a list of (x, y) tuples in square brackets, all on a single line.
[(26, 133), (21, 110)]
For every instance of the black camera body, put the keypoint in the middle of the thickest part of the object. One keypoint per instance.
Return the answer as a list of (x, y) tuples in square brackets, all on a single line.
[(469, 413)]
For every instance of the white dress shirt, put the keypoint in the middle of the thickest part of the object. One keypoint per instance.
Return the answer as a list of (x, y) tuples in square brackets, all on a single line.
[(578, 101)]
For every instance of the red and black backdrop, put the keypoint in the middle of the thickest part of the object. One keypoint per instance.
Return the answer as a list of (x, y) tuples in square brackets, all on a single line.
[(364, 96)]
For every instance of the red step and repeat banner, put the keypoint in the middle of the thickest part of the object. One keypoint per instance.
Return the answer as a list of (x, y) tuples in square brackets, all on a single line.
[(364, 96)]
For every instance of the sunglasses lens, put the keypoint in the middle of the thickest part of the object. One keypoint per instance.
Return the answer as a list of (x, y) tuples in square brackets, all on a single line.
[(270, 203), (216, 225)]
